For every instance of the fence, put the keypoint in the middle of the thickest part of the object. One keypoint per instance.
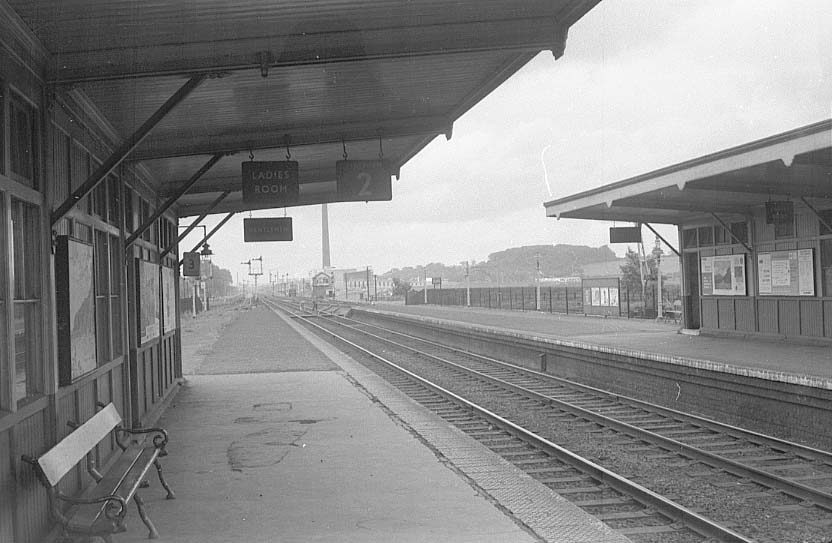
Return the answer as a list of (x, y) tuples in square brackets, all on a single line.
[(568, 300)]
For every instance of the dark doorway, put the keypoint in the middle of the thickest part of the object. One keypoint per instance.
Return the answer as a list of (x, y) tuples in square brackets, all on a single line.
[(691, 299)]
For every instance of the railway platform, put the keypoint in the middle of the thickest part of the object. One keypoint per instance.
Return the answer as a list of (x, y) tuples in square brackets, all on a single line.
[(773, 360), (277, 436)]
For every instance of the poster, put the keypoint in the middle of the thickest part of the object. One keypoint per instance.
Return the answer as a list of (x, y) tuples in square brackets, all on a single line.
[(605, 296), (764, 273), (168, 299), (723, 275), (613, 297), (786, 273), (148, 297), (596, 296)]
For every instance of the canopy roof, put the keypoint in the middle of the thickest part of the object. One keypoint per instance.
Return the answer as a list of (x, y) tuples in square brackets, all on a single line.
[(371, 76), (795, 164)]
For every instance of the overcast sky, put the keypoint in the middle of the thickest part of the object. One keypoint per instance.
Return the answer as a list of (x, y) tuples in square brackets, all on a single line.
[(643, 84)]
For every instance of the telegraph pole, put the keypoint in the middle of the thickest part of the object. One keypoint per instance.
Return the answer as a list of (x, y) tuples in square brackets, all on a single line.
[(537, 282)]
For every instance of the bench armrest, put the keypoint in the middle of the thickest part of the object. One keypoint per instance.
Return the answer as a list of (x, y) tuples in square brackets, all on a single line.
[(160, 437), (115, 508)]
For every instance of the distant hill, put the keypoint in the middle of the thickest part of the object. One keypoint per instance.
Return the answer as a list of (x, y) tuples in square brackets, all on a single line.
[(515, 266)]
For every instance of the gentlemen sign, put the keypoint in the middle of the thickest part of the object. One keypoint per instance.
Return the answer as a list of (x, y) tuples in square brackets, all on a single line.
[(272, 182), (270, 229), (363, 180)]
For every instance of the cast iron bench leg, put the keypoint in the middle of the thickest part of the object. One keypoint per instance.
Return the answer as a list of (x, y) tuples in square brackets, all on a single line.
[(171, 495), (146, 519)]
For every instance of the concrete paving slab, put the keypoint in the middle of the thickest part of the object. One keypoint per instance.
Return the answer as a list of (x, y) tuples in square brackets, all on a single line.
[(305, 457)]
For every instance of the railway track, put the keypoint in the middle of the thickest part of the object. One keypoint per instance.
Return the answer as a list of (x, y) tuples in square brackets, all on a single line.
[(787, 481)]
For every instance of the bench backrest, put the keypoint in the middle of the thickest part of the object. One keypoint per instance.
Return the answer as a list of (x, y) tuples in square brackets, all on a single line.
[(73, 448)]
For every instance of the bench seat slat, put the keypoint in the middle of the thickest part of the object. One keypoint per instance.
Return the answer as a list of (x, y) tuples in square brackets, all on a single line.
[(73, 448), (122, 479)]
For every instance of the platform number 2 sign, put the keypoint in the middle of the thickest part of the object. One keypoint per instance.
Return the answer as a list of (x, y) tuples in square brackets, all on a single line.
[(363, 180)]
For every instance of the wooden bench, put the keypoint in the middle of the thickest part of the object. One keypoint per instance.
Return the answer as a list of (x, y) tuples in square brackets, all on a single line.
[(102, 509)]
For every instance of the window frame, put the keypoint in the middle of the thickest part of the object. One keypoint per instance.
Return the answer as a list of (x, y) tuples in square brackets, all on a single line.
[(31, 299), (18, 102)]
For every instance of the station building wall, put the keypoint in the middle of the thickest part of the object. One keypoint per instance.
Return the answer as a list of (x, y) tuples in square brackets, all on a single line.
[(763, 310), (50, 142)]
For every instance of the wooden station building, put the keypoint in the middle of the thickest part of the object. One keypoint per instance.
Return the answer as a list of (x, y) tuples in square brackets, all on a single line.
[(120, 118), (755, 232)]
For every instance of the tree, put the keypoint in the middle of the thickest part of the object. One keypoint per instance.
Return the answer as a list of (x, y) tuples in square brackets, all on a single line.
[(220, 282), (400, 288)]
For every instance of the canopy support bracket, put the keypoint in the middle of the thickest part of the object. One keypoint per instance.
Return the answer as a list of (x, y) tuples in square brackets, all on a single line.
[(814, 210), (671, 247), (172, 200), (195, 223), (211, 233), (126, 147), (728, 229)]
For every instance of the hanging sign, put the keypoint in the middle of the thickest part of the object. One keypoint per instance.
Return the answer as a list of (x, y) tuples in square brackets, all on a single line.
[(268, 229), (780, 212), (190, 264), (272, 182), (363, 180), (625, 234)]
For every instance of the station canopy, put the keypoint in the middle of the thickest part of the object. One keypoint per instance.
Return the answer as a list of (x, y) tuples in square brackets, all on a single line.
[(792, 165), (309, 79)]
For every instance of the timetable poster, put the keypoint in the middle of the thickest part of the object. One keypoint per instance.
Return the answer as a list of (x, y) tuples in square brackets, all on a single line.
[(786, 273)]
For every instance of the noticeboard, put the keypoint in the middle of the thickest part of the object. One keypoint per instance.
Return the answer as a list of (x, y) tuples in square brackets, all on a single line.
[(723, 275), (786, 273), (75, 309), (267, 229), (363, 180), (601, 296), (168, 299), (148, 297), (274, 182)]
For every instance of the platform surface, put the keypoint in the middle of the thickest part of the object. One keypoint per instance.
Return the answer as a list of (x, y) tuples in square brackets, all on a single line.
[(278, 437), (780, 360)]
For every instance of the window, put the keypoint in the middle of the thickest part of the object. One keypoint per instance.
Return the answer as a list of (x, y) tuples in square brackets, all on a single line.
[(784, 229), (107, 297), (826, 266), (740, 231), (23, 141), (114, 205), (826, 215), (706, 236), (27, 273), (4, 365), (721, 235), (689, 238)]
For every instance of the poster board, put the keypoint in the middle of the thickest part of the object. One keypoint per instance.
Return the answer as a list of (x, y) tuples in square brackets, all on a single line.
[(148, 297), (75, 309), (168, 299), (723, 275), (601, 296), (786, 273)]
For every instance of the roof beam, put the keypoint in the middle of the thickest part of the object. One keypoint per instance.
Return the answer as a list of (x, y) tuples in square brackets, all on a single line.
[(308, 47), (683, 205), (175, 145)]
